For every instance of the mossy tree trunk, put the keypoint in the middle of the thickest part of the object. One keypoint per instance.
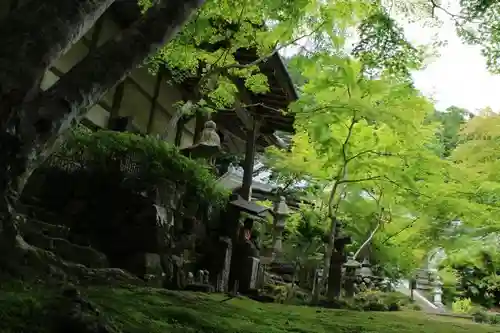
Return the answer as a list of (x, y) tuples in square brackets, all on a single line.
[(38, 124), (32, 36)]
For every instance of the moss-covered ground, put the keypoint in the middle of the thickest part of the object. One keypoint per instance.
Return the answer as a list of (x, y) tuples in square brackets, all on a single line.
[(144, 310)]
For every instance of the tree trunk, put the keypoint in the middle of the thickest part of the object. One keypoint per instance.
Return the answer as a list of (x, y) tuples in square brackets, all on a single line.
[(171, 130), (366, 242), (48, 117), (334, 276), (33, 37), (42, 122)]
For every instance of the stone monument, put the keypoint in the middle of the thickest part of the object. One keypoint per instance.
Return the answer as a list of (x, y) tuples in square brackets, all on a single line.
[(438, 293), (350, 274), (280, 212), (209, 144)]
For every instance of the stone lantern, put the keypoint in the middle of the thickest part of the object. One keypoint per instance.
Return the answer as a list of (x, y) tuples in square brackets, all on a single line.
[(209, 144), (365, 271), (350, 274), (281, 212), (438, 292)]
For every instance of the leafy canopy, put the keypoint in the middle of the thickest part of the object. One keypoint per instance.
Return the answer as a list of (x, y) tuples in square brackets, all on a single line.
[(208, 47)]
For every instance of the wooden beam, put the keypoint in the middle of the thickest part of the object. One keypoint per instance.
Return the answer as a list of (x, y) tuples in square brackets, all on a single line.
[(201, 118), (96, 34), (156, 93), (243, 115), (59, 73), (246, 186), (179, 129), (282, 76), (246, 118), (117, 103), (233, 142), (141, 90)]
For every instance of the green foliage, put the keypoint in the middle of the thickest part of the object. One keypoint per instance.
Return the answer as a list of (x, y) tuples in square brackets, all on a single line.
[(156, 159), (451, 121), (475, 267), (289, 294), (363, 145), (481, 316), (380, 301), (477, 23), (208, 48), (462, 305), (383, 47)]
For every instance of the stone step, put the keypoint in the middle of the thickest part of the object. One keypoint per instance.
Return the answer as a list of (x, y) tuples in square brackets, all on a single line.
[(68, 251), (40, 214), (50, 230)]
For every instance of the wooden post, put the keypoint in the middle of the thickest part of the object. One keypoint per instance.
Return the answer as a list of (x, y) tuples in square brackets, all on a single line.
[(252, 134), (117, 103), (94, 41), (179, 131), (201, 118), (159, 78)]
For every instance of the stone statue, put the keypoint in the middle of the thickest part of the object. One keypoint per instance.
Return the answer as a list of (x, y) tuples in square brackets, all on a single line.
[(208, 145), (209, 136), (206, 277), (190, 278), (199, 276)]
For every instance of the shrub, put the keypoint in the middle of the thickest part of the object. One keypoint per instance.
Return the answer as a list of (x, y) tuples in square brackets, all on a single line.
[(415, 307), (462, 305), (154, 158), (494, 319), (480, 316), (380, 301), (286, 293)]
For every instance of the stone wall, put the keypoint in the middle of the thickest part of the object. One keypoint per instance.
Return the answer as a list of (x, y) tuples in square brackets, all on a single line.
[(156, 233)]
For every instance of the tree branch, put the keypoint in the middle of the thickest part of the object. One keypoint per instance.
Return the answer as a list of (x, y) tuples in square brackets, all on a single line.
[(369, 151), (379, 223), (248, 106), (368, 240), (400, 231), (435, 6), (348, 137), (359, 180)]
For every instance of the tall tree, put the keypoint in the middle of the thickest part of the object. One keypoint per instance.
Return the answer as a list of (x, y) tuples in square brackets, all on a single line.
[(360, 135)]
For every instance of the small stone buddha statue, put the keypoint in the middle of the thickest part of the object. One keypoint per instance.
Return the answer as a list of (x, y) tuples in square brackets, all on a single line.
[(209, 136), (208, 145)]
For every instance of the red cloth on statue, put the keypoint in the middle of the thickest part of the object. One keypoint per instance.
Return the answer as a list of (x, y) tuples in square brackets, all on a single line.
[(247, 234)]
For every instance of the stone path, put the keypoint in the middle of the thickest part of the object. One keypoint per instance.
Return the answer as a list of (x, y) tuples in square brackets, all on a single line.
[(424, 303)]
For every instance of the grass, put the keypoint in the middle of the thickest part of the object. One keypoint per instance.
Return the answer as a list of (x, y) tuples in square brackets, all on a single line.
[(144, 310)]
